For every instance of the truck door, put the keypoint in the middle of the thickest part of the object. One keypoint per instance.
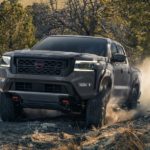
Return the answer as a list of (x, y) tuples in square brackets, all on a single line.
[(125, 68), (120, 85)]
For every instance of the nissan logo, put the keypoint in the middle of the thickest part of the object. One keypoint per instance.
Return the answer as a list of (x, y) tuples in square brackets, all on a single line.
[(39, 64)]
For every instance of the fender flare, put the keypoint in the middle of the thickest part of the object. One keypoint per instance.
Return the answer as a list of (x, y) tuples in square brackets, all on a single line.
[(107, 76)]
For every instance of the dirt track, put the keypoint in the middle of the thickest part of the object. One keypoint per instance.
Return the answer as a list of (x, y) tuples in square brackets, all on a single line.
[(65, 133)]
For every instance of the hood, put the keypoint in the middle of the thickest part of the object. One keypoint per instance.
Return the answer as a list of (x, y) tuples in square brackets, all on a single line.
[(53, 54)]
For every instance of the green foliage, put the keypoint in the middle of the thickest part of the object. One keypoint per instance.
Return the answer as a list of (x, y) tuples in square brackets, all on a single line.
[(137, 15), (16, 28), (140, 25), (41, 19), (126, 21)]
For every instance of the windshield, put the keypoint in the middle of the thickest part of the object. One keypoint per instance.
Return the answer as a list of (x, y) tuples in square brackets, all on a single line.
[(91, 45)]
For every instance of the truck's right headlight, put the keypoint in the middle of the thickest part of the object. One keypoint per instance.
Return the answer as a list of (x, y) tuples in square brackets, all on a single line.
[(5, 61), (84, 65)]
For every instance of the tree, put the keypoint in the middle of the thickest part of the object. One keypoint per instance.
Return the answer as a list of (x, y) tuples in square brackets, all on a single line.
[(125, 21), (41, 14), (89, 17), (137, 14), (140, 26), (16, 28), (79, 16)]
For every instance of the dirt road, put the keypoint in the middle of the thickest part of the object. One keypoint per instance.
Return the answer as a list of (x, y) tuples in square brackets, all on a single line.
[(65, 133)]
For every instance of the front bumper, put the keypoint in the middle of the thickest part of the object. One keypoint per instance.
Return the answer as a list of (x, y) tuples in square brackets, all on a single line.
[(80, 86), (41, 100)]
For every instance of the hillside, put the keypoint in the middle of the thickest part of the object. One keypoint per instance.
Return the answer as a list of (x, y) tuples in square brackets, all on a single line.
[(30, 2)]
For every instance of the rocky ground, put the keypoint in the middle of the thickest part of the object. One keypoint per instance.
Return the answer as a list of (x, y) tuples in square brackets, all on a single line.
[(64, 133)]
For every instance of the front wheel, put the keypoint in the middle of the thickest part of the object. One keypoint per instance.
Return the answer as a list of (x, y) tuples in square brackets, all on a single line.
[(133, 99), (8, 110), (96, 110)]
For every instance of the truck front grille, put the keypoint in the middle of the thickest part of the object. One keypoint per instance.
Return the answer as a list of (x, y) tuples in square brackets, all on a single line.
[(43, 66), (40, 87), (22, 86)]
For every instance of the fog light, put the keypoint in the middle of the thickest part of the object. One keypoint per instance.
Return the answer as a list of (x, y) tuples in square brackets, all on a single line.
[(2, 79), (16, 98), (65, 102)]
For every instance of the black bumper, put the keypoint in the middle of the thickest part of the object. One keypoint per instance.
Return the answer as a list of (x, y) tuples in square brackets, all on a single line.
[(41, 100), (80, 86)]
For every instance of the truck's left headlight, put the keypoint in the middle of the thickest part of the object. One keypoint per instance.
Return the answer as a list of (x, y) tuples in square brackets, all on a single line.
[(5, 61)]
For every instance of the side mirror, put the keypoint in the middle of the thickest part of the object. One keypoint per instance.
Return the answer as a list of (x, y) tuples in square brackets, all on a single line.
[(118, 58)]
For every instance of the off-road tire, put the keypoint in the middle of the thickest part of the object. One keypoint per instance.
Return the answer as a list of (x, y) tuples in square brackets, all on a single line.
[(8, 111), (96, 110), (132, 102)]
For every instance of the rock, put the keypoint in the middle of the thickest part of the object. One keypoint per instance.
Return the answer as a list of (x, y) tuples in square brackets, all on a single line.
[(63, 135), (30, 145), (91, 147), (46, 126), (110, 141), (92, 133)]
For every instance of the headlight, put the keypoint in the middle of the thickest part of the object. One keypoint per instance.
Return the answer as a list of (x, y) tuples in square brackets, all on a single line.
[(85, 65), (5, 61)]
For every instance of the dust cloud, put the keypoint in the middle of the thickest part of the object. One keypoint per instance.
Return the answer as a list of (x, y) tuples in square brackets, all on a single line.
[(41, 113), (116, 114), (145, 97)]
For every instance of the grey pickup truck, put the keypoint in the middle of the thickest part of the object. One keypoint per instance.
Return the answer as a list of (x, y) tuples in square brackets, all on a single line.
[(72, 74)]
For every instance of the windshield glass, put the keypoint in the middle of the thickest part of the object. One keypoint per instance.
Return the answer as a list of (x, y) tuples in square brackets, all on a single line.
[(91, 45)]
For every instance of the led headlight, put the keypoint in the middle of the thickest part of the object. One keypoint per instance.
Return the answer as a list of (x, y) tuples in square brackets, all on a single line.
[(5, 61), (84, 65)]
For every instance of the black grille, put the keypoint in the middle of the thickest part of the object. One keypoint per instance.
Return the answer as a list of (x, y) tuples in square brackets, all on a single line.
[(35, 66), (52, 88), (40, 87), (21, 86)]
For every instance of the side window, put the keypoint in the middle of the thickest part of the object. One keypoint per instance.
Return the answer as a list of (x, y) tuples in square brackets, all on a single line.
[(120, 49), (113, 49)]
